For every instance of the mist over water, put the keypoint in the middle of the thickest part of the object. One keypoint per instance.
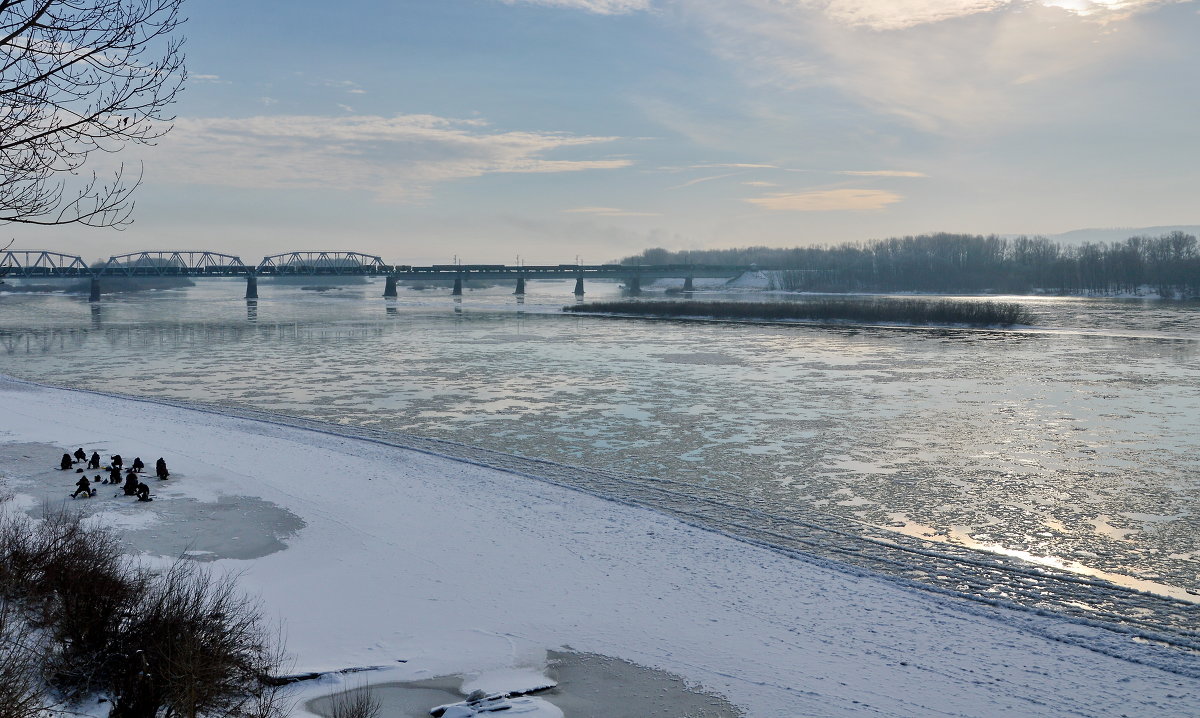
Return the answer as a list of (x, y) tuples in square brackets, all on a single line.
[(1072, 443)]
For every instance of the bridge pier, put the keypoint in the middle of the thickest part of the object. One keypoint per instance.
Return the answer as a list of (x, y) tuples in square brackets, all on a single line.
[(520, 287), (457, 291), (251, 286), (688, 285), (94, 293), (634, 286), (389, 287), (579, 287)]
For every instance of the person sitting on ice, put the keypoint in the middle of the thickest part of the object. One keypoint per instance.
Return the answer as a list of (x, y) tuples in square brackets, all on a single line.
[(143, 492), (160, 468), (137, 465), (94, 462), (116, 461), (85, 487), (65, 463), (131, 485), (114, 475), (80, 454)]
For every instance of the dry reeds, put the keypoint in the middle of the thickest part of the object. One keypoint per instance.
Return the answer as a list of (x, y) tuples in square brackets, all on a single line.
[(872, 310)]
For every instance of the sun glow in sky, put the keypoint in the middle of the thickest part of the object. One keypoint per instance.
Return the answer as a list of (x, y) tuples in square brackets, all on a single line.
[(423, 129)]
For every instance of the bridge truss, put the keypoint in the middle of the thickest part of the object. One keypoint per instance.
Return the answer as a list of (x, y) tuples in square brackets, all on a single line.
[(27, 263), (172, 264), (312, 263)]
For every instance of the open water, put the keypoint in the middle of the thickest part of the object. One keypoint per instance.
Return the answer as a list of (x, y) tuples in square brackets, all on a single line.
[(1072, 444)]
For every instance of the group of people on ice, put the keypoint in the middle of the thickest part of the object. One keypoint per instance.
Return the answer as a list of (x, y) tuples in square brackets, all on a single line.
[(132, 485)]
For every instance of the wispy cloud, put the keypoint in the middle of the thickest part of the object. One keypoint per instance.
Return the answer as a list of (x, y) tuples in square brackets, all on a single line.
[(734, 165), (882, 173), (701, 180), (600, 7), (348, 86), (760, 183), (609, 212), (831, 200), (900, 14), (397, 158), (937, 64)]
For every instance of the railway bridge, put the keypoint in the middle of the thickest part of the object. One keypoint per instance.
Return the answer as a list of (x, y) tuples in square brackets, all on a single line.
[(47, 264)]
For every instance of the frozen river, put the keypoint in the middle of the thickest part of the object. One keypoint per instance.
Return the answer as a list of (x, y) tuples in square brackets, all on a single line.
[(1073, 444)]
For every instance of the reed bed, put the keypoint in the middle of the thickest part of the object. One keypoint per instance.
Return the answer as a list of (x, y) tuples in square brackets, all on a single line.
[(875, 310)]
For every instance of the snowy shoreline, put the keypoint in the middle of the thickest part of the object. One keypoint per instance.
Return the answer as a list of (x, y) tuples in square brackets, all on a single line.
[(458, 569)]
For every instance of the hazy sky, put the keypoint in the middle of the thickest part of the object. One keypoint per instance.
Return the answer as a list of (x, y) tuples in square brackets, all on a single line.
[(550, 129)]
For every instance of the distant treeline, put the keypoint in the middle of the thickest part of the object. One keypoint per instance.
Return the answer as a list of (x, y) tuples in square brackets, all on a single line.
[(889, 310), (946, 263)]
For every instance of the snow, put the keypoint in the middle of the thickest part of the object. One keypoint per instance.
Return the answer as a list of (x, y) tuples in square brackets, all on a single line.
[(426, 567)]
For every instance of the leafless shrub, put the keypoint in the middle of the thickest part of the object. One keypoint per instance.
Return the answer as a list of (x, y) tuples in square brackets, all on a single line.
[(181, 644), (357, 703), (194, 646), (20, 690)]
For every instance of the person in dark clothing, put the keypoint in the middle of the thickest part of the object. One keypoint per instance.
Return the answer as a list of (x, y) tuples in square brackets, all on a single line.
[(160, 468), (85, 487), (116, 461), (94, 462), (143, 492), (131, 475), (80, 454), (131, 486), (65, 463), (138, 465), (114, 475)]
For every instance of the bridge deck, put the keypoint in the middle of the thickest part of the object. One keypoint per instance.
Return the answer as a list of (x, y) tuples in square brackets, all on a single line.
[(45, 264)]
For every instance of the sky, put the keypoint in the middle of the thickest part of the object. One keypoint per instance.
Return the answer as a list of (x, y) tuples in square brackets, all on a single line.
[(565, 130)]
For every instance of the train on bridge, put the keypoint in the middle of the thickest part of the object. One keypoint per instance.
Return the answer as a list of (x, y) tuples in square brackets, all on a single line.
[(46, 264)]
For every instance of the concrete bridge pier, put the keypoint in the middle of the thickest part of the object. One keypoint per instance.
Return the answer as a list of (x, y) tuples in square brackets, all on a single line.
[(520, 287), (389, 288), (251, 286), (688, 285), (457, 291), (634, 286), (94, 293), (579, 287)]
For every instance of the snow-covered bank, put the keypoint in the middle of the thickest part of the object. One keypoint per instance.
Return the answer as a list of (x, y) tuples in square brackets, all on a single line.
[(458, 569)]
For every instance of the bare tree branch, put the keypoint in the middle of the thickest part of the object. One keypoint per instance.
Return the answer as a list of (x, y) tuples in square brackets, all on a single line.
[(78, 77)]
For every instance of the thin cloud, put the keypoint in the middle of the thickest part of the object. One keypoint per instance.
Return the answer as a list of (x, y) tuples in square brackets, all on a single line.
[(394, 159), (882, 173), (735, 165), (609, 212), (347, 86), (599, 7), (999, 63), (700, 180), (760, 183), (902, 14), (832, 200)]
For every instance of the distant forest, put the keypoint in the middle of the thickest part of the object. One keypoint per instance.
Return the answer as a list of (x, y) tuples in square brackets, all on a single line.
[(1168, 265)]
